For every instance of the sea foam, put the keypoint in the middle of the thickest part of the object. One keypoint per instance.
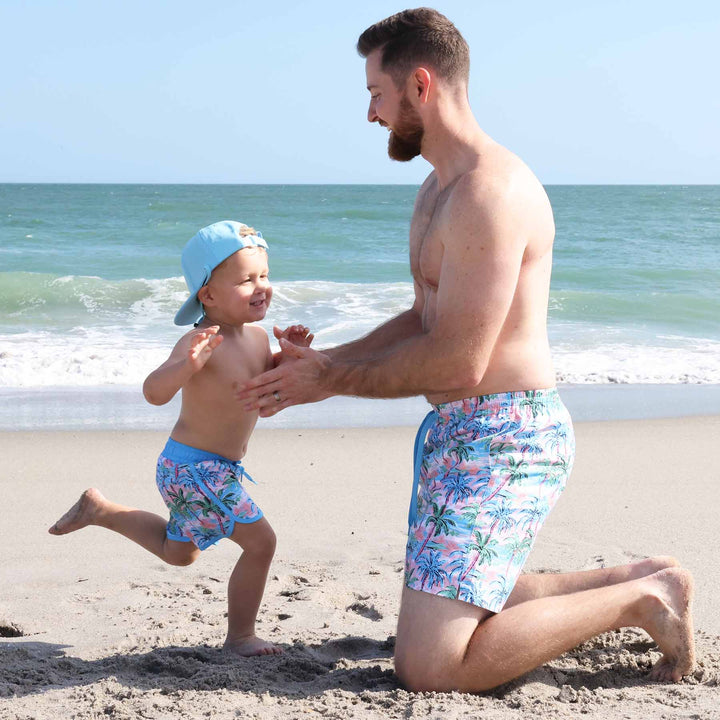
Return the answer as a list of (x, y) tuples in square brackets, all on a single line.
[(85, 331)]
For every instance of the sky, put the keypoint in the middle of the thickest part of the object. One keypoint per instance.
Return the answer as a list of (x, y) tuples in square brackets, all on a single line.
[(177, 91)]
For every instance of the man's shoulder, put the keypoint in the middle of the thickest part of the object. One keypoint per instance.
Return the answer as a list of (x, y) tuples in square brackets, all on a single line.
[(503, 185), (499, 174)]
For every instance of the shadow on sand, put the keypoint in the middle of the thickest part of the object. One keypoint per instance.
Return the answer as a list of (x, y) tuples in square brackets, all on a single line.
[(354, 664)]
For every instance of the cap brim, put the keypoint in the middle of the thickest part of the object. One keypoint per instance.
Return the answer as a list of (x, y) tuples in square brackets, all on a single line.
[(190, 312)]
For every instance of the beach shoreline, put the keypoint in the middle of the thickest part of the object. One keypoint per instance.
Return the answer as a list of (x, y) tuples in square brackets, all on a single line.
[(109, 629), (113, 407)]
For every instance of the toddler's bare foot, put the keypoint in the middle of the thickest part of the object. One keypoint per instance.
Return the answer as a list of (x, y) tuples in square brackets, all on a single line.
[(251, 645), (670, 624), (81, 514)]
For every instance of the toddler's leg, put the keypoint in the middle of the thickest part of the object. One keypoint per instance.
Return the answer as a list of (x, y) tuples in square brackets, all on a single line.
[(246, 586), (145, 528)]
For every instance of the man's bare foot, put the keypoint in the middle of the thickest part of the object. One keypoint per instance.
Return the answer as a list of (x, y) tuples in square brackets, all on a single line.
[(669, 622), (251, 645), (81, 514), (648, 566)]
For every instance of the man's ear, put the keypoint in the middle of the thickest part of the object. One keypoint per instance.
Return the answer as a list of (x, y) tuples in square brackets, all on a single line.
[(422, 81)]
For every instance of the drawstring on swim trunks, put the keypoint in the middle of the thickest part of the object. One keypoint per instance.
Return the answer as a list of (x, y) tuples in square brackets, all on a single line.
[(430, 418), (243, 472)]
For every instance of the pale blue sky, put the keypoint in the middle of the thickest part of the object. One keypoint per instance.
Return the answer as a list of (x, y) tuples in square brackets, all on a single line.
[(618, 91)]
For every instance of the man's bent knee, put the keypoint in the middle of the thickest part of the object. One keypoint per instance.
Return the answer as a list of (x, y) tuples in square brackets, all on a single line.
[(432, 640), (425, 669), (423, 674)]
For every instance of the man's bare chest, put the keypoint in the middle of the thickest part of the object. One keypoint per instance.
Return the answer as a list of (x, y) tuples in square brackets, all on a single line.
[(428, 230)]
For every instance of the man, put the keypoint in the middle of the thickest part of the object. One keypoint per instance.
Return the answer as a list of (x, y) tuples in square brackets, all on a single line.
[(499, 443)]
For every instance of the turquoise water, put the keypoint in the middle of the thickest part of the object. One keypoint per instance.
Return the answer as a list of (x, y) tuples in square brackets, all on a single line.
[(317, 232), (90, 274)]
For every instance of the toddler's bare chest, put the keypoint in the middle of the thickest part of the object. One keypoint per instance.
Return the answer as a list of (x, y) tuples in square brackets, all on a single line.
[(233, 364)]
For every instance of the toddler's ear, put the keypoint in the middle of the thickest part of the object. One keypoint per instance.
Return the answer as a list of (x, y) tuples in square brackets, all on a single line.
[(205, 295)]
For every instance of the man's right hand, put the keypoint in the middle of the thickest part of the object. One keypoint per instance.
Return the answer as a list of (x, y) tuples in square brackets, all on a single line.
[(291, 383)]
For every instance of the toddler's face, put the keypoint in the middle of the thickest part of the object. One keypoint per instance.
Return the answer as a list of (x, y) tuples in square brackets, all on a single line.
[(240, 286)]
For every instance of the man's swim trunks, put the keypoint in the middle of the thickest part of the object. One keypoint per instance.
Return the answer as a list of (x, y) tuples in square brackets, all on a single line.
[(486, 476), (204, 494)]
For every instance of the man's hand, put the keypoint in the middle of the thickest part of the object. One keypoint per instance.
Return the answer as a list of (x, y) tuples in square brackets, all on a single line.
[(202, 344), (292, 383)]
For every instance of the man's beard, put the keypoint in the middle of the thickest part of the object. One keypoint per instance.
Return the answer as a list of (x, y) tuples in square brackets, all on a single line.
[(406, 137)]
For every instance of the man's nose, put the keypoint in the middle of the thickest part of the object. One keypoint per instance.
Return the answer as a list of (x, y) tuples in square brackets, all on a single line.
[(371, 115)]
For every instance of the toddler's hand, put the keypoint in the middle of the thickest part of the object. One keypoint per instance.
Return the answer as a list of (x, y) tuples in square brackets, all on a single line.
[(296, 334), (202, 344)]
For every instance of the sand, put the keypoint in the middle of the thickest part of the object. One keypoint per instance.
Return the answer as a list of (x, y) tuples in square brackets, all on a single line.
[(93, 626)]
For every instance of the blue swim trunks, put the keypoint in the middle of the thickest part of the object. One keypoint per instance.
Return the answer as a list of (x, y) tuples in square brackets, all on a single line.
[(203, 493), (488, 470)]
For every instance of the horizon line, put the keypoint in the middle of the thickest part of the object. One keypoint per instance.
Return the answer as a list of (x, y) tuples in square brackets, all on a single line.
[(363, 184)]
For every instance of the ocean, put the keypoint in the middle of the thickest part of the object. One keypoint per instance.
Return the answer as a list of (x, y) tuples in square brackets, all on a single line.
[(90, 278)]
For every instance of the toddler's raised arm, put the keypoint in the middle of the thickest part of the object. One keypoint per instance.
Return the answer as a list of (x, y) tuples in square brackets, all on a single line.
[(188, 356)]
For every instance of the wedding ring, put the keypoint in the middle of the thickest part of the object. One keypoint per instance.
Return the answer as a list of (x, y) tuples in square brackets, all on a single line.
[(276, 395)]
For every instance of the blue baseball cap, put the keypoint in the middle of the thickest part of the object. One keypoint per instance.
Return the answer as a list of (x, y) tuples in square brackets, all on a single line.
[(203, 253)]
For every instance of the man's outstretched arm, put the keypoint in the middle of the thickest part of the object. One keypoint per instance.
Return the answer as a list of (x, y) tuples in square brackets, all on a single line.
[(376, 343), (482, 254), (394, 331)]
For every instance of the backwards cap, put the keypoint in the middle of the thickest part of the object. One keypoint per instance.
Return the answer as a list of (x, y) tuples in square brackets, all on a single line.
[(204, 252)]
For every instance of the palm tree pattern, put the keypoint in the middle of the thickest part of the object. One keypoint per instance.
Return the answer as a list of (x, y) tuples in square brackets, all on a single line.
[(205, 499), (492, 469)]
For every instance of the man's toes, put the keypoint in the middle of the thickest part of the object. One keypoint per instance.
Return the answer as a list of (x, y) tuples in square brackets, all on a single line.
[(665, 671)]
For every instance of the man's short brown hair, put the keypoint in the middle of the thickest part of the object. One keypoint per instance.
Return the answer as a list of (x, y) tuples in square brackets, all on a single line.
[(416, 37)]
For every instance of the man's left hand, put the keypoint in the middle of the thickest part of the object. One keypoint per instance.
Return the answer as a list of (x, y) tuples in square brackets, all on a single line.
[(295, 382)]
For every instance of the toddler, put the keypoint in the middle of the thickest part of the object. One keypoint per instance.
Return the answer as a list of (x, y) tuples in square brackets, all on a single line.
[(199, 473)]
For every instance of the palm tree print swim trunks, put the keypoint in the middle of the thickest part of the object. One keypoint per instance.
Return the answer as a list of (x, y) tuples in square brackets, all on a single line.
[(203, 493), (488, 470)]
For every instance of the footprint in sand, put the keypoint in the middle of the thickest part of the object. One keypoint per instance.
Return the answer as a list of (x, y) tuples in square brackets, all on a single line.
[(366, 610), (352, 648), (594, 562), (10, 629)]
